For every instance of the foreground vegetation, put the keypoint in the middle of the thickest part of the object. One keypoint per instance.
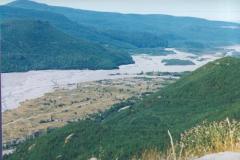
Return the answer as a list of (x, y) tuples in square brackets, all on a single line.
[(203, 139), (210, 93)]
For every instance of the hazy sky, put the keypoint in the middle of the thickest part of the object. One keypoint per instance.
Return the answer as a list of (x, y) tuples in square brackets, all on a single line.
[(226, 10)]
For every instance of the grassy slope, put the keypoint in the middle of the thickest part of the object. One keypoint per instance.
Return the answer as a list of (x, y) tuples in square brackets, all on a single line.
[(33, 45), (210, 93)]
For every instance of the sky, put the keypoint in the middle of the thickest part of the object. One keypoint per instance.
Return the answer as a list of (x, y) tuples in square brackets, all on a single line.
[(224, 10)]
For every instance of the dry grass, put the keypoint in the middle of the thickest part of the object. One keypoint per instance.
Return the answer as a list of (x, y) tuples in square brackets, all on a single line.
[(212, 137), (152, 154), (201, 140)]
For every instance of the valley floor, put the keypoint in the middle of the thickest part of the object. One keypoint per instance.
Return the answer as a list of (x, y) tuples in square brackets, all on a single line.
[(62, 106), (18, 87)]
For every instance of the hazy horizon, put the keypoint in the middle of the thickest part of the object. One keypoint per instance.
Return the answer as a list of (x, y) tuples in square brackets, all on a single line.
[(223, 10)]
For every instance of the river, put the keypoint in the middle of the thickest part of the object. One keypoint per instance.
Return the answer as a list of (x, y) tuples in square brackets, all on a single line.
[(18, 87)]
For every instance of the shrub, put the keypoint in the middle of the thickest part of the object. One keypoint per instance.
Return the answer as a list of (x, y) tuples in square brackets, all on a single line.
[(201, 140)]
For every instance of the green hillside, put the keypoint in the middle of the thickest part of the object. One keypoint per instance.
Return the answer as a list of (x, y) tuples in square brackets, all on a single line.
[(61, 22), (152, 31), (37, 45), (209, 93)]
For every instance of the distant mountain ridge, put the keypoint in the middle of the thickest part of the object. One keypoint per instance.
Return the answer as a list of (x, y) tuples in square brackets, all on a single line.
[(147, 31), (57, 20), (210, 93)]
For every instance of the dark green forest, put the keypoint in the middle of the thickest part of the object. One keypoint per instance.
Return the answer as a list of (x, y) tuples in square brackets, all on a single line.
[(37, 45)]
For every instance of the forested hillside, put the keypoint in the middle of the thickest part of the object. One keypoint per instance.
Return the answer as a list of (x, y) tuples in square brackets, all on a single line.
[(59, 21), (37, 45), (209, 93)]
